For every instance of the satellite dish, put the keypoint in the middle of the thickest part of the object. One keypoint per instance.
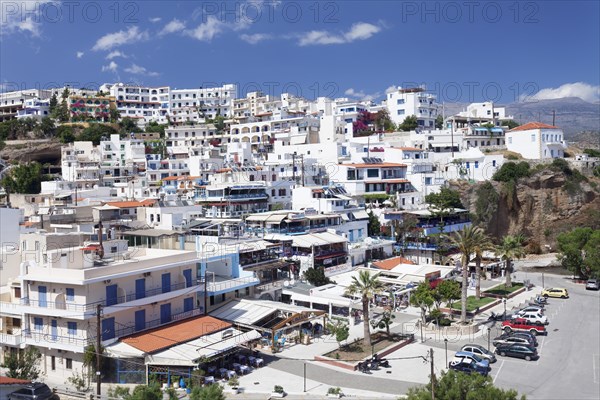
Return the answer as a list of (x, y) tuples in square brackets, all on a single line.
[(286, 283)]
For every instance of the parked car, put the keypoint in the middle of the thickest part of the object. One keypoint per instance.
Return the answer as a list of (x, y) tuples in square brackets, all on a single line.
[(530, 308), (556, 292), (592, 284), (33, 391), (535, 317), (532, 338), (461, 356), (517, 350), (521, 324), (467, 366), (508, 338), (480, 351)]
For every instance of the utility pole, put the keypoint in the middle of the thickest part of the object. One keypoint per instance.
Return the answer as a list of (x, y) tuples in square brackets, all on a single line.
[(302, 161), (205, 290), (432, 375), (294, 166), (553, 117), (98, 345)]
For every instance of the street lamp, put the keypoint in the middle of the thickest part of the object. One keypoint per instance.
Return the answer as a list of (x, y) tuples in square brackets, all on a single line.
[(446, 346), (504, 302)]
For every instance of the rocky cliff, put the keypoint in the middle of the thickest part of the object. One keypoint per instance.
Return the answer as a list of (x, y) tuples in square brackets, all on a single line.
[(540, 206)]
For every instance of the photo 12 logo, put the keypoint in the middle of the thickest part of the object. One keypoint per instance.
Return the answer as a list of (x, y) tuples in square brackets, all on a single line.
[(69, 11), (452, 12)]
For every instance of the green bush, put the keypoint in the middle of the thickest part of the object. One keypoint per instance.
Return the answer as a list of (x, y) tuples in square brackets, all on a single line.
[(511, 171)]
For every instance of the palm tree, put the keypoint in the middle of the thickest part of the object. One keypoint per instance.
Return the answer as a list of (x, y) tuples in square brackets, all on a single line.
[(465, 241), (366, 286), (482, 243), (511, 248)]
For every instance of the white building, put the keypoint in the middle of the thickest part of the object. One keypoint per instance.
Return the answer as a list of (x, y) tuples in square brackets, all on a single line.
[(195, 105), (12, 102), (34, 108), (402, 103), (536, 141), (142, 103)]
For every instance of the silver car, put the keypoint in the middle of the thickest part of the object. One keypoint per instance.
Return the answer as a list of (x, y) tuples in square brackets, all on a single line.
[(592, 284), (481, 351)]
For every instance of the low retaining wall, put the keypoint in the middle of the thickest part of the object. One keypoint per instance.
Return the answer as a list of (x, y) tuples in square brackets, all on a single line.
[(352, 367)]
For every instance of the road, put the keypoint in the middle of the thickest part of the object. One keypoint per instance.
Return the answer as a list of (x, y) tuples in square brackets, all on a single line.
[(569, 363)]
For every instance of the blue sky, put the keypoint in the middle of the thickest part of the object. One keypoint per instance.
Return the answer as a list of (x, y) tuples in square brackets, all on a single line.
[(463, 51)]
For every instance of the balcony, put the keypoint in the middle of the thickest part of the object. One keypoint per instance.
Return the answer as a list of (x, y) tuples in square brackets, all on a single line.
[(71, 342), (11, 340), (230, 284)]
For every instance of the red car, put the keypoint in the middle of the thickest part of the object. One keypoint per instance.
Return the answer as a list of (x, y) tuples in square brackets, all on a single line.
[(521, 324)]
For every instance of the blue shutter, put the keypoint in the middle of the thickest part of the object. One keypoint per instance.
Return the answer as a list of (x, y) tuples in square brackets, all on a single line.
[(166, 282), (108, 328), (140, 288), (187, 274), (38, 324), (111, 295), (165, 313), (140, 320), (42, 302), (72, 328), (70, 294), (54, 332), (188, 304)]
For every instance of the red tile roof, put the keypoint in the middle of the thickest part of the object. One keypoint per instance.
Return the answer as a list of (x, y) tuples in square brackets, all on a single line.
[(533, 125), (391, 263), (5, 380), (176, 333), (408, 148)]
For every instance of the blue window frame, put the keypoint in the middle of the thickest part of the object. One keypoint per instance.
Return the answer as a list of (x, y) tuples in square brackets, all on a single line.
[(70, 294), (72, 328)]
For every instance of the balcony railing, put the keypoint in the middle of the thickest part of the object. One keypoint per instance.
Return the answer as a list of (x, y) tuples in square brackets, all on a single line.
[(34, 337), (11, 340), (230, 284)]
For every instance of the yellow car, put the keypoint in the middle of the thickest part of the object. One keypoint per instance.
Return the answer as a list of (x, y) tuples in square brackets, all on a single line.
[(555, 292)]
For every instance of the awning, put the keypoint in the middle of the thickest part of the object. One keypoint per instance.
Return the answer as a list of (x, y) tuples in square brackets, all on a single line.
[(362, 214), (122, 350), (345, 217), (342, 197), (187, 354)]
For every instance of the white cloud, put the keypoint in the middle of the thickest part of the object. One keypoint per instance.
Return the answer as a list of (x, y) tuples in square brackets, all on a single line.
[(361, 95), (255, 37), (138, 70), (116, 39), (206, 31), (155, 20), (22, 16), (582, 90), (80, 54), (115, 54), (172, 27), (111, 67), (358, 31)]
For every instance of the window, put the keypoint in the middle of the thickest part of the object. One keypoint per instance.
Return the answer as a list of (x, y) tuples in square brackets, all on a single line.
[(533, 138), (72, 328), (509, 140), (372, 173), (468, 165), (70, 294), (69, 363), (476, 164), (400, 112), (400, 101), (38, 324), (493, 163), (428, 181)]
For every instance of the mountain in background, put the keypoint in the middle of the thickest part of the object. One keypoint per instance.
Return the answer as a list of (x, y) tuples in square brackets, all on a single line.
[(573, 115)]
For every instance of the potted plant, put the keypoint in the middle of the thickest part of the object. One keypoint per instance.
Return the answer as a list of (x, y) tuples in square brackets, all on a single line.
[(334, 392), (278, 391), (234, 384)]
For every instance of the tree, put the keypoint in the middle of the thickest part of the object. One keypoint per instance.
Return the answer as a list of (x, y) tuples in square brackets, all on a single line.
[(511, 172), (128, 125), (316, 276), (211, 392), (448, 291), (439, 122), (366, 285), (219, 123), (24, 365), (374, 226), (155, 127), (455, 385), (511, 248), (24, 178), (89, 359), (422, 297), (482, 243), (66, 133), (387, 317), (409, 124), (146, 392), (443, 203), (383, 122), (579, 251), (46, 128), (53, 104), (465, 242), (340, 330), (362, 124), (511, 124), (95, 132)]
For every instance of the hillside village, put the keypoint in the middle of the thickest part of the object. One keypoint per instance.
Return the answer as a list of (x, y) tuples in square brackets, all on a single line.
[(186, 230)]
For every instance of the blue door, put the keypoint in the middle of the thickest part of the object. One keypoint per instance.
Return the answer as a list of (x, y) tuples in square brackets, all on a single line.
[(111, 295), (187, 274), (188, 304), (54, 331), (43, 301), (108, 328), (165, 313), (166, 282), (140, 288), (140, 320)]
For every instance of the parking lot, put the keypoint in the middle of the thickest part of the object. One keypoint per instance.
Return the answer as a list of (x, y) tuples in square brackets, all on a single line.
[(569, 362)]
